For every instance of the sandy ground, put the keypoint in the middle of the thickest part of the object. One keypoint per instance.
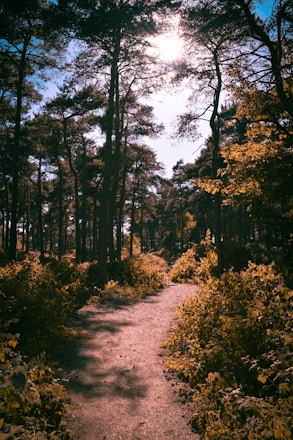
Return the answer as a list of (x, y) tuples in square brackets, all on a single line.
[(118, 384)]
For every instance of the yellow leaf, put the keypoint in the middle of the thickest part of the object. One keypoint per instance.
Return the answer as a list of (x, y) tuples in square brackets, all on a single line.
[(1, 423), (15, 405), (12, 343), (13, 430), (262, 378)]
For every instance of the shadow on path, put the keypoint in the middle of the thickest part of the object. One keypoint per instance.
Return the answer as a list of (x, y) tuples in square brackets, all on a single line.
[(116, 380), (91, 362)]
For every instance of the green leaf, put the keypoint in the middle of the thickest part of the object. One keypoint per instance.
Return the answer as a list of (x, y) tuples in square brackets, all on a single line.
[(19, 380)]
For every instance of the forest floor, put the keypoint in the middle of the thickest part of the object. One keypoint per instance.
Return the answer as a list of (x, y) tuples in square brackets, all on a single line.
[(118, 384)]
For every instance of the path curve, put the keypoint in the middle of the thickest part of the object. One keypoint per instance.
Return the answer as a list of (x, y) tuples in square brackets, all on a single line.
[(117, 381)]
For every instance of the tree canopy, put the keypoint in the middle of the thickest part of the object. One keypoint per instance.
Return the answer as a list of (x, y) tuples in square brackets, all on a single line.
[(82, 163)]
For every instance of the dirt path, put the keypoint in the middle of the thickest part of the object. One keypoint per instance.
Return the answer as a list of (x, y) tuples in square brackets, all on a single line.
[(118, 386)]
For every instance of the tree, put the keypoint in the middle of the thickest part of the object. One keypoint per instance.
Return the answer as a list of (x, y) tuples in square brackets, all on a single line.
[(208, 25), (274, 46), (141, 179), (258, 170), (115, 34), (28, 41), (76, 109)]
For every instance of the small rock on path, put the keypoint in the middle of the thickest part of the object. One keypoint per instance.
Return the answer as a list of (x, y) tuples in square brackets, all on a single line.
[(117, 384)]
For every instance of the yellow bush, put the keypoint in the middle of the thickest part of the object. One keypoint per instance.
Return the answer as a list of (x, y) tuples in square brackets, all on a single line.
[(146, 273), (184, 268), (232, 344), (33, 401)]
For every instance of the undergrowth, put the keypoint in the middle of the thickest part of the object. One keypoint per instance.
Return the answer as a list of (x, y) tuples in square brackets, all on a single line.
[(139, 276), (144, 274), (34, 316), (33, 401), (232, 345), (196, 264), (36, 302)]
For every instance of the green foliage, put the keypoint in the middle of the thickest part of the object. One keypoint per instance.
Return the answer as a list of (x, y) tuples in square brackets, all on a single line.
[(33, 401), (35, 304), (232, 344), (146, 273)]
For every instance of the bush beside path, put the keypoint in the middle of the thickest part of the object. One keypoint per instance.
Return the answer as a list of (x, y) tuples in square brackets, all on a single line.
[(117, 381)]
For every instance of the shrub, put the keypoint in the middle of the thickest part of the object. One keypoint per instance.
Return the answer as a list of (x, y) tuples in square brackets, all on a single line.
[(74, 277), (184, 268), (33, 401), (37, 305), (146, 273), (112, 289), (197, 264), (232, 345)]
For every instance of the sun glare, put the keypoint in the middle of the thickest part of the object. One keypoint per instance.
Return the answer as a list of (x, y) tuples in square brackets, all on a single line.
[(168, 47)]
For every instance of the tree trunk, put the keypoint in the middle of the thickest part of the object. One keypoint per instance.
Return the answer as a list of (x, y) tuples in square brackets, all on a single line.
[(275, 50), (7, 217), (131, 225), (95, 228), (15, 154), (141, 226), (121, 202), (60, 213), (83, 209), (107, 174), (116, 174), (77, 224), (40, 234), (28, 218), (215, 127), (76, 188)]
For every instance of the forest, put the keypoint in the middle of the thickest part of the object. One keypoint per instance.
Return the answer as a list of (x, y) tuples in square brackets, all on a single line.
[(85, 205)]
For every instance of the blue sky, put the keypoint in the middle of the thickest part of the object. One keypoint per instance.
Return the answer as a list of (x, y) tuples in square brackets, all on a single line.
[(167, 106)]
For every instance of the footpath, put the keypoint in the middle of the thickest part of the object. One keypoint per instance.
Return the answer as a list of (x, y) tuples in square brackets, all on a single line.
[(118, 384)]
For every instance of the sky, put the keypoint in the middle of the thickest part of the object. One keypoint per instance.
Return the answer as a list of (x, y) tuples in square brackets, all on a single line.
[(168, 104)]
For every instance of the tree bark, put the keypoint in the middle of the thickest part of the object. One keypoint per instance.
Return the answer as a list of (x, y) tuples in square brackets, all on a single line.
[(76, 188), (16, 148), (107, 174), (215, 127), (60, 213), (40, 213), (121, 202), (83, 208), (275, 50)]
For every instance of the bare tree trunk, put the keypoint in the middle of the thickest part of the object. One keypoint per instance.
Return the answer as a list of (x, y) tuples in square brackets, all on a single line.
[(132, 225), (60, 213), (107, 175), (121, 203), (215, 127), (16, 148), (76, 188), (83, 209), (28, 219), (40, 234)]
